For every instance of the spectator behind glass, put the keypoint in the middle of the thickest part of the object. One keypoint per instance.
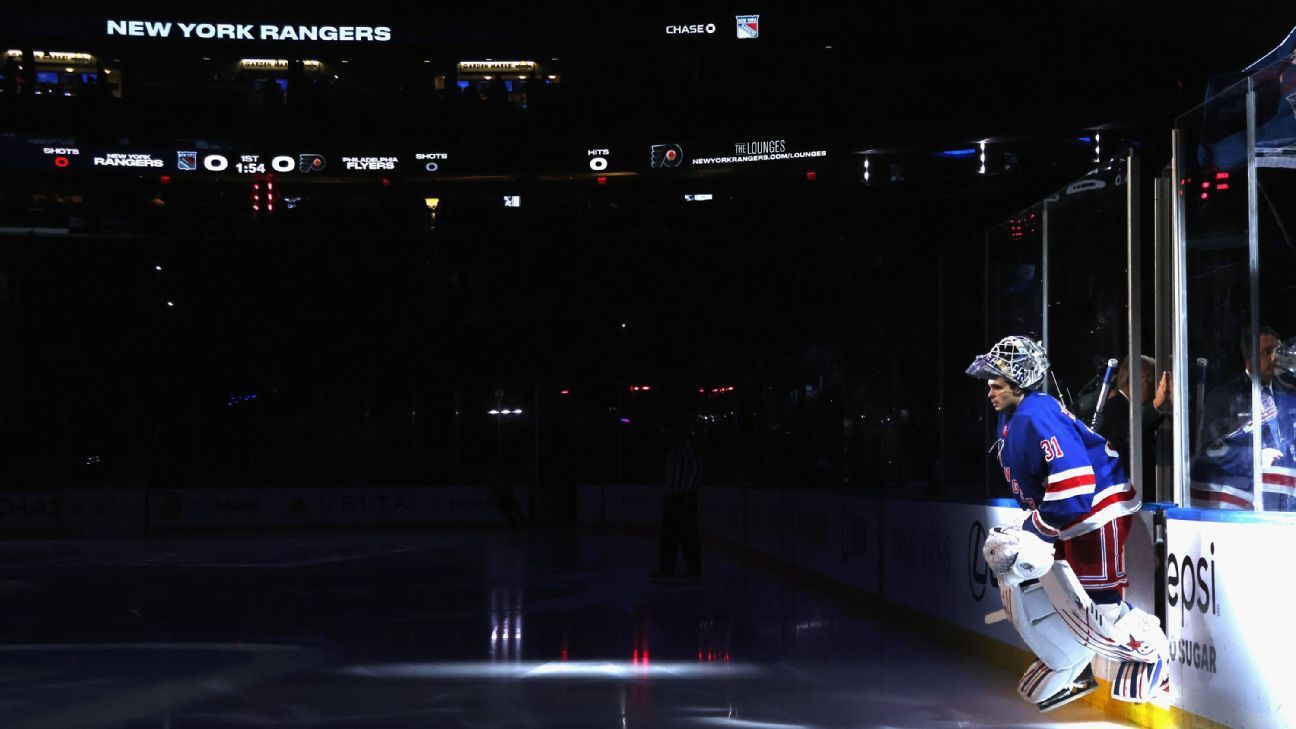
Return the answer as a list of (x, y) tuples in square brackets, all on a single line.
[(1115, 425), (1221, 471)]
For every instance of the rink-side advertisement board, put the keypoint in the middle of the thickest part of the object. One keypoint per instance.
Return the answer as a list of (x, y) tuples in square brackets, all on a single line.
[(1229, 608), (833, 534), (84, 512), (619, 504), (932, 561), (325, 507), (838, 536), (720, 513)]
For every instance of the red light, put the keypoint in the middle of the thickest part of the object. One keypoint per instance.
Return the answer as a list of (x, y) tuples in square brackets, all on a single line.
[(1222, 186), (386, 182), (1205, 185), (1205, 195), (256, 186), (61, 162), (701, 391), (811, 176), (166, 179), (256, 208), (1221, 175), (601, 180), (564, 392)]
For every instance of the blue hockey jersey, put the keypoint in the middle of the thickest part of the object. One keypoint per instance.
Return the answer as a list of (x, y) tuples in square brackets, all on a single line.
[(1066, 475), (1221, 474)]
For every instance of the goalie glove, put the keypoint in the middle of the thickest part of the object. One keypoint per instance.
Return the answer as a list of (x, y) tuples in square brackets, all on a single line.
[(1016, 555)]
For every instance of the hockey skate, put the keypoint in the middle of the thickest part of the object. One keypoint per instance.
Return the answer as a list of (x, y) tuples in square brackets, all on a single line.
[(1083, 685)]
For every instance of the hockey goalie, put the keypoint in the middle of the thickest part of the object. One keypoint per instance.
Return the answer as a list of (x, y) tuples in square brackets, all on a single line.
[(1062, 571)]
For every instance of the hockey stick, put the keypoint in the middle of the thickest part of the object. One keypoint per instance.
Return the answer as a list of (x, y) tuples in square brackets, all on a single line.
[(1102, 394)]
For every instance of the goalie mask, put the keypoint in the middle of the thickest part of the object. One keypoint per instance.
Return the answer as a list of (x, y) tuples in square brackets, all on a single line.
[(1020, 360)]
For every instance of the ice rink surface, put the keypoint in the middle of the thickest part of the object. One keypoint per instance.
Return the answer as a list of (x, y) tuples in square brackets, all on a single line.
[(544, 629)]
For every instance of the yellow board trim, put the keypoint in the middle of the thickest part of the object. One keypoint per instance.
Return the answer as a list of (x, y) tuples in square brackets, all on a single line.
[(1015, 659), (1003, 655)]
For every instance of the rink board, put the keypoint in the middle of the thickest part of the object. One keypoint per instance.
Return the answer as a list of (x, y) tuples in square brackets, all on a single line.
[(832, 534), (368, 506), (1229, 608), (72, 513), (932, 562)]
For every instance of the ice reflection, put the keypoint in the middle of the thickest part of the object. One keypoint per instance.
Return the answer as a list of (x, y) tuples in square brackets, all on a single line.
[(554, 669), (714, 641), (506, 624)]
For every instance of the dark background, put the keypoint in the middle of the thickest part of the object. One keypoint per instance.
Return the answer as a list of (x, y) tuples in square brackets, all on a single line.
[(348, 341)]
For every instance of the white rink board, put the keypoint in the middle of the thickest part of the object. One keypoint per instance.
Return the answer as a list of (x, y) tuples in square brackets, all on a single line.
[(83, 512), (766, 517), (838, 536), (325, 507), (720, 513), (1231, 619), (623, 504), (633, 504), (932, 562)]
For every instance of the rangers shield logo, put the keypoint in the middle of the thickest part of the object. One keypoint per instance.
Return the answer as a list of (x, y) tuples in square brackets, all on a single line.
[(748, 26)]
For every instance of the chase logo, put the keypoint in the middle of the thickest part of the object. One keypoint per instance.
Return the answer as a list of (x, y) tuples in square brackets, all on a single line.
[(666, 155), (748, 26)]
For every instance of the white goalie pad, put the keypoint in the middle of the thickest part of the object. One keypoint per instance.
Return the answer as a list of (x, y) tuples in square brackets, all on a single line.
[(1040, 683), (1139, 682), (1044, 631), (1133, 636)]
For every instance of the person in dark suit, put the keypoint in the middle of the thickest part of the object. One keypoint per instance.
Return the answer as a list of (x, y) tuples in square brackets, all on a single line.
[(1222, 468), (1115, 425)]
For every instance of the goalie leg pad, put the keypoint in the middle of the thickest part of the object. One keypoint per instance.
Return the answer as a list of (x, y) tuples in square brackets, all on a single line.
[(1049, 689), (1134, 636), (1141, 682), (1043, 630)]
